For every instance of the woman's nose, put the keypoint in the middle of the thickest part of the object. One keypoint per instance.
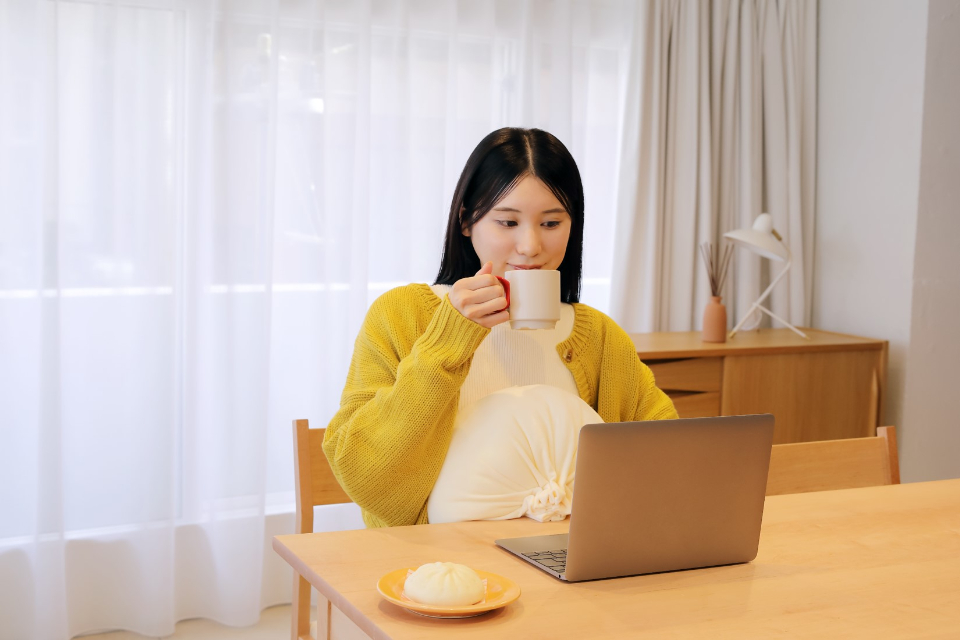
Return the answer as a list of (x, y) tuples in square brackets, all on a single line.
[(529, 244)]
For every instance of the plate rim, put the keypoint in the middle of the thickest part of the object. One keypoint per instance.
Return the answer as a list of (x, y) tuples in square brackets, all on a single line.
[(456, 610)]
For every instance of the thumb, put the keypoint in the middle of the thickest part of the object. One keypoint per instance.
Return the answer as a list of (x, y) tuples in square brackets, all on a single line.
[(486, 268)]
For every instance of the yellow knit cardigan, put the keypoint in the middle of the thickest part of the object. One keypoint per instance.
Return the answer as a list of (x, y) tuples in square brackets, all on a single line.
[(387, 442)]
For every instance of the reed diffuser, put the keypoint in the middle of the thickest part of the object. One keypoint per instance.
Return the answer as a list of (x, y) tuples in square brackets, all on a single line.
[(716, 261)]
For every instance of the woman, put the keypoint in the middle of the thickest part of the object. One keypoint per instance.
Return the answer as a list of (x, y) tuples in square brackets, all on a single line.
[(424, 353)]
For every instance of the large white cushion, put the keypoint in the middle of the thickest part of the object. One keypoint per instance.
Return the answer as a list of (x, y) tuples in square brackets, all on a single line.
[(513, 453)]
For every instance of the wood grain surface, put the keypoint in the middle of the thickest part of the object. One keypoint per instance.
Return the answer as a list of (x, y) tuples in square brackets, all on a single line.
[(878, 562)]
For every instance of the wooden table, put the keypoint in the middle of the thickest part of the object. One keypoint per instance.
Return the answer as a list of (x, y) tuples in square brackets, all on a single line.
[(828, 386), (880, 562)]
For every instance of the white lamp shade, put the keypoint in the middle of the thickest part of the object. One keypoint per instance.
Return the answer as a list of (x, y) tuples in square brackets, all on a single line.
[(760, 239)]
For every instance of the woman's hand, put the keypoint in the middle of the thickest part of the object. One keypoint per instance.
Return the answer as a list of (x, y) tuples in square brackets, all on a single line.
[(480, 298)]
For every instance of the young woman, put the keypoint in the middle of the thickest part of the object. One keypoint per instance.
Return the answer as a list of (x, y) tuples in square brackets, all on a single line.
[(426, 352)]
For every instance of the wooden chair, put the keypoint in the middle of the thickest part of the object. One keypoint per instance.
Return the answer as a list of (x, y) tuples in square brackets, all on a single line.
[(834, 464), (316, 485)]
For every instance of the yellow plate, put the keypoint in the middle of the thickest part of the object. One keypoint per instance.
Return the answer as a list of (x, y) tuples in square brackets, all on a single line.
[(500, 592)]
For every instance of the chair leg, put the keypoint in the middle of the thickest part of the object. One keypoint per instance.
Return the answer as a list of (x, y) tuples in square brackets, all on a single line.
[(324, 618), (300, 611)]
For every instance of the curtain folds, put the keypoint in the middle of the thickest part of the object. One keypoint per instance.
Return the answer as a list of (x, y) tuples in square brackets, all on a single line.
[(720, 126), (199, 201)]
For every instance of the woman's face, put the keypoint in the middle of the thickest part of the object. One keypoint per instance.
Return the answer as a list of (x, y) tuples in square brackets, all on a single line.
[(527, 229)]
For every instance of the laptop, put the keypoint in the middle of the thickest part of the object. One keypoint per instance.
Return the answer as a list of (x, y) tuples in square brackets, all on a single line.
[(660, 496)]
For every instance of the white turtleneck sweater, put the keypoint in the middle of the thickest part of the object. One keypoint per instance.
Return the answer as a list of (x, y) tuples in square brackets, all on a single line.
[(509, 358)]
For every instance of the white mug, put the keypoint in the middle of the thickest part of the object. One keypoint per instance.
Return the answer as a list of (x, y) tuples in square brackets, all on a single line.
[(534, 298)]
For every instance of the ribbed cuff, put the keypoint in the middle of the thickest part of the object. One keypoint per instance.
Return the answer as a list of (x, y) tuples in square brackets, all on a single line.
[(452, 338)]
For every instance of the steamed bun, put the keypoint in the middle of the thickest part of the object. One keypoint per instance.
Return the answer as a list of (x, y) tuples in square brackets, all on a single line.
[(444, 584)]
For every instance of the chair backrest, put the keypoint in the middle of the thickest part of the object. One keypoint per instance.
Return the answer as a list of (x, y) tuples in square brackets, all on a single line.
[(834, 464), (316, 485), (314, 480)]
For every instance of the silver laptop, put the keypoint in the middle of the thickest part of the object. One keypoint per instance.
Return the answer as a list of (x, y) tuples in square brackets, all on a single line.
[(660, 496)]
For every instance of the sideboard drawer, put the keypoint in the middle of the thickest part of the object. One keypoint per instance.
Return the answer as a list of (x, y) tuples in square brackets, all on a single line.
[(696, 404), (825, 386), (688, 374)]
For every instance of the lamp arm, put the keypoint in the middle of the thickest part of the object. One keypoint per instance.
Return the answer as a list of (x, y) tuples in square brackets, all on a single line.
[(756, 305), (763, 296), (779, 277)]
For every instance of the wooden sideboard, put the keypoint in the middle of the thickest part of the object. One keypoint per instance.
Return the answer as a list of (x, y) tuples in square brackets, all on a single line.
[(830, 386)]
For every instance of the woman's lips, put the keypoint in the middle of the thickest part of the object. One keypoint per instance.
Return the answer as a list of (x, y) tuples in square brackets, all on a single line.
[(524, 268)]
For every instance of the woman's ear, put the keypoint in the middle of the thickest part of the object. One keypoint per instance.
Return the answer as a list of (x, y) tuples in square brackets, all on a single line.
[(464, 228)]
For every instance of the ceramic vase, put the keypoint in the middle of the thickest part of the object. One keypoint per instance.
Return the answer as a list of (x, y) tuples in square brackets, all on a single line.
[(715, 321)]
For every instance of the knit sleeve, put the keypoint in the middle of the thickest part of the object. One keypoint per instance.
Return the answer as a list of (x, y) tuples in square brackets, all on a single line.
[(653, 403), (627, 389), (387, 442)]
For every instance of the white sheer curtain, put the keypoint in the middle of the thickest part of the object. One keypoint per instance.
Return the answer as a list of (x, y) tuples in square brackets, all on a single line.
[(198, 200), (719, 126)]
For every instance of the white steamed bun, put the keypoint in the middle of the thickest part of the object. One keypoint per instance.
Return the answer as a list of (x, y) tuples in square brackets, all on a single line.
[(444, 584)]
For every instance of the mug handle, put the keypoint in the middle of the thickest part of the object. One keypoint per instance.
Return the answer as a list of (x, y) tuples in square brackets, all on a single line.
[(506, 291)]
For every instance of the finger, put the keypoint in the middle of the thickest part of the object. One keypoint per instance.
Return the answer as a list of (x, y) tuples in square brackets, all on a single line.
[(488, 308), (475, 310), (479, 282), (486, 268), (484, 294), (494, 319)]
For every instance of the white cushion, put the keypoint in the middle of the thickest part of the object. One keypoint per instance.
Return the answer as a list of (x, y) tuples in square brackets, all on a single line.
[(513, 453)]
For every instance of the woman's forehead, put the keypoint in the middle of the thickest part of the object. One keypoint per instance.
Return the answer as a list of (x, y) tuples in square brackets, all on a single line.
[(530, 193)]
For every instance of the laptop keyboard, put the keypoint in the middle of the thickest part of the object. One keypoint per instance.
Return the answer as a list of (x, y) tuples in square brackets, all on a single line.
[(554, 560)]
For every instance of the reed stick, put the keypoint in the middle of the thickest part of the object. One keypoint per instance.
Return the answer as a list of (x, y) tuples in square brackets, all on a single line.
[(717, 262)]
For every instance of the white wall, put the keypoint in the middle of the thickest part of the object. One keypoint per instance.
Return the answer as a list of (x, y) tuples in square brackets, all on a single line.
[(870, 113), (931, 446), (888, 208)]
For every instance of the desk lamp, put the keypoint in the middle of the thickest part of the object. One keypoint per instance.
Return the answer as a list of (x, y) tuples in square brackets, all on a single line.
[(763, 239)]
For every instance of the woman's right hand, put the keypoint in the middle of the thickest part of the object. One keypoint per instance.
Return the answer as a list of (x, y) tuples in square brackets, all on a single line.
[(480, 298)]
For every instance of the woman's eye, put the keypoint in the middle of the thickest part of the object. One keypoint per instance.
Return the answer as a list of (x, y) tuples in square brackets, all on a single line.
[(507, 223), (552, 224)]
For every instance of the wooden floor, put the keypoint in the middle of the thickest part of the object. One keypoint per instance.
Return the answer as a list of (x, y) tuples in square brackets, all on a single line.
[(274, 625)]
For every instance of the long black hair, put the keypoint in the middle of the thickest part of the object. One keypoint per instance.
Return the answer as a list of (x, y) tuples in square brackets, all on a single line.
[(494, 168)]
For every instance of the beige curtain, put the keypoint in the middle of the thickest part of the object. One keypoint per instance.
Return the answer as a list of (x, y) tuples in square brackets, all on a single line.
[(719, 126)]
